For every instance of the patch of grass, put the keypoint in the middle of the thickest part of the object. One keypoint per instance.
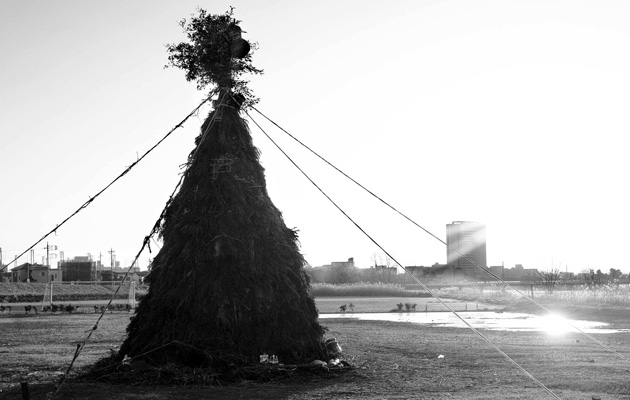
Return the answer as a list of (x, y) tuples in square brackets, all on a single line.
[(17, 292), (588, 296), (605, 295), (364, 290), (327, 305)]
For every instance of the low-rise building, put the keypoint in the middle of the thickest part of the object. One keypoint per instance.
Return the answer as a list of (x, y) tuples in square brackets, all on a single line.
[(38, 273), (117, 275)]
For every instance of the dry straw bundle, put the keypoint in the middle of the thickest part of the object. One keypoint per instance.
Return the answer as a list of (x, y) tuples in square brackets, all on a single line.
[(229, 282)]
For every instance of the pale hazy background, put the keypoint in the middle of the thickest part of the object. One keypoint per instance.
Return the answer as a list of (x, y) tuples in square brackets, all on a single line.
[(513, 113)]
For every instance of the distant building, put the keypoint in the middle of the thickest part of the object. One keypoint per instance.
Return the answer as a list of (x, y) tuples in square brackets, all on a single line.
[(5, 274), (54, 275), (436, 271), (518, 273), (498, 270), (418, 270), (341, 264), (35, 273), (117, 274), (335, 272), (384, 269), (81, 268), (466, 247)]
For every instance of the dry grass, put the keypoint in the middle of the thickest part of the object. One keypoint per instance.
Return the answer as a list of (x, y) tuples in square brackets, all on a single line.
[(593, 296), (16, 288), (364, 290), (79, 293), (386, 304)]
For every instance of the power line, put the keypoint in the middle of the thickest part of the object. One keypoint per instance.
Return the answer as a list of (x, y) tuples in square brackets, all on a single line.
[(87, 203)]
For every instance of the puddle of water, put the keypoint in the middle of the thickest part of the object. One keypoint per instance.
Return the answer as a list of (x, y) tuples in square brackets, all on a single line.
[(552, 324)]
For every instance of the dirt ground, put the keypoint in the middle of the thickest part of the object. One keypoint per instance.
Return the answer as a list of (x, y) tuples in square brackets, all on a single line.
[(392, 361)]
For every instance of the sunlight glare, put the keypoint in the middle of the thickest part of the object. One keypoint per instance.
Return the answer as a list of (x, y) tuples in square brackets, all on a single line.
[(555, 324)]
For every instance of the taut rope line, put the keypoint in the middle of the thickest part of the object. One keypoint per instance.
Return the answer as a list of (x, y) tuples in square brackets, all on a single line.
[(486, 270), (87, 203), (529, 375), (145, 243)]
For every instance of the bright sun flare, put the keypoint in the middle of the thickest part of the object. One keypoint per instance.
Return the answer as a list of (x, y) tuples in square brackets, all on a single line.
[(555, 324)]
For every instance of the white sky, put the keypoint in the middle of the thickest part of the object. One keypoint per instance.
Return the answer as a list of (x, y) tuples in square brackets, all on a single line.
[(509, 113)]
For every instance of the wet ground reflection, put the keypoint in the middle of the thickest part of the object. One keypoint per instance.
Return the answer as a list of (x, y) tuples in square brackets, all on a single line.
[(503, 321)]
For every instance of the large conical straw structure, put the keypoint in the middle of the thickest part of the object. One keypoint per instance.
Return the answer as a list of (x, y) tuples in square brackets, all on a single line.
[(228, 284)]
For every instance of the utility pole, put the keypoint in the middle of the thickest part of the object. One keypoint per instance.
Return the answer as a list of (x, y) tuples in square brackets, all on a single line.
[(112, 257), (2, 266), (48, 248), (47, 263), (99, 267), (15, 266)]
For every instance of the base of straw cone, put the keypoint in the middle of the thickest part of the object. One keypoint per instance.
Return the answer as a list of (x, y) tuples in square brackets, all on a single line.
[(228, 283)]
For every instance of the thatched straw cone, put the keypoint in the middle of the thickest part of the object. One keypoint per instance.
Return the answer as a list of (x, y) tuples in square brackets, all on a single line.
[(228, 285)]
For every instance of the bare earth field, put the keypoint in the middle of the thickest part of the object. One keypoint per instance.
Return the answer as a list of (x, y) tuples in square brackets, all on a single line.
[(392, 360)]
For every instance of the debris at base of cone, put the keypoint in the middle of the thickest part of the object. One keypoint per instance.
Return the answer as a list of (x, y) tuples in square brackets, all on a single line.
[(271, 359), (141, 365), (334, 362), (333, 348), (111, 370), (320, 363)]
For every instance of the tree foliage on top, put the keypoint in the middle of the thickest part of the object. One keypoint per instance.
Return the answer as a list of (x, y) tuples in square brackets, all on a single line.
[(206, 56)]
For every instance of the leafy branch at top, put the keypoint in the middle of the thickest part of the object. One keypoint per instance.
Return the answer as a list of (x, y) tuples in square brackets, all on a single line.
[(207, 58)]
